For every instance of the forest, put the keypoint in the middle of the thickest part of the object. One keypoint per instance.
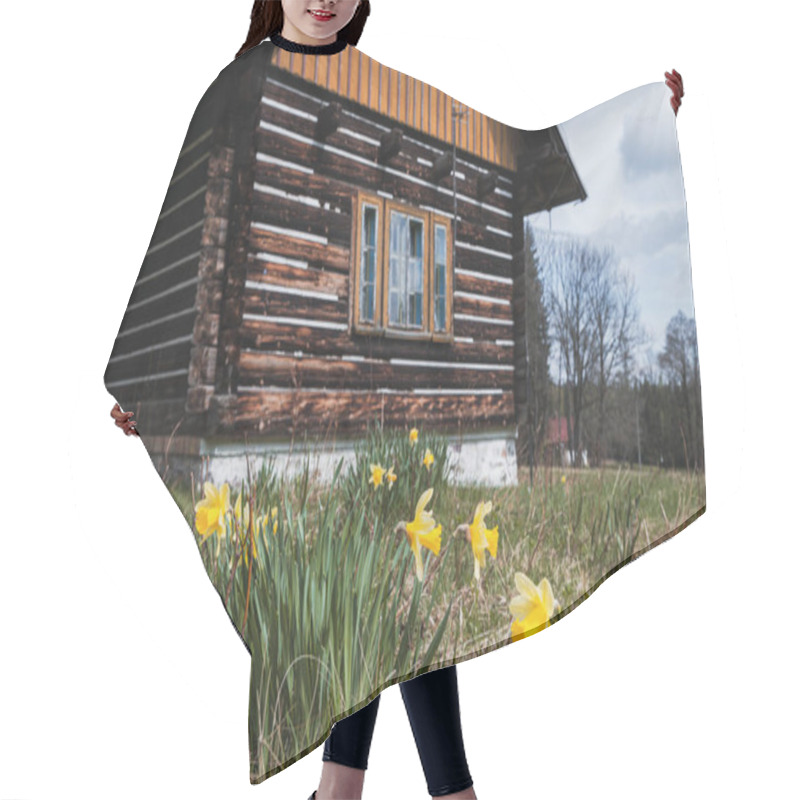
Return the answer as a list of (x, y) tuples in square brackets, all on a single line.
[(599, 388)]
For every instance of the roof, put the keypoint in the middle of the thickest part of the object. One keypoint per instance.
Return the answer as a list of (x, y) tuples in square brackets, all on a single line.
[(354, 75)]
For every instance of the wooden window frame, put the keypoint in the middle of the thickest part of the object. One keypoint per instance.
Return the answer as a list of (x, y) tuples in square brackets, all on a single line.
[(357, 325), (445, 335), (430, 220)]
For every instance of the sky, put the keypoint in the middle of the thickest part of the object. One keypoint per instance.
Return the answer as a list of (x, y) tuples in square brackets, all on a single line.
[(625, 151)]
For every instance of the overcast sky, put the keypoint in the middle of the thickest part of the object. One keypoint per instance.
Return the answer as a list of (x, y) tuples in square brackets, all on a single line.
[(626, 154)]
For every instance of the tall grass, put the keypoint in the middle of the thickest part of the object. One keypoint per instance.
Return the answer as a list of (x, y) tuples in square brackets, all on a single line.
[(330, 605)]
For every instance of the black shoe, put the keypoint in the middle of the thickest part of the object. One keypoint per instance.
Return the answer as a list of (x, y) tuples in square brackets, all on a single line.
[(313, 795)]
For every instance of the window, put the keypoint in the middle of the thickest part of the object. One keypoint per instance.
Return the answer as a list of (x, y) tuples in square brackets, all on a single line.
[(369, 263), (403, 273)]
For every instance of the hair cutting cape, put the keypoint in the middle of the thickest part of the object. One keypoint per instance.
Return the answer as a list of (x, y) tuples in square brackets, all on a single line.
[(419, 380)]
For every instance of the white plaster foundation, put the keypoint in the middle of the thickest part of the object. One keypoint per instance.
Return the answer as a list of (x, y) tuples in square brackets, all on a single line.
[(487, 459)]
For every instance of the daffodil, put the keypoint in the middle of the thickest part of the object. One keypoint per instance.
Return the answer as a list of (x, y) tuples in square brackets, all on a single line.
[(210, 512), (428, 460), (243, 519), (532, 607), (390, 476), (423, 531), (563, 479), (482, 538), (261, 529), (249, 545), (274, 513), (413, 435), (377, 474), (237, 513)]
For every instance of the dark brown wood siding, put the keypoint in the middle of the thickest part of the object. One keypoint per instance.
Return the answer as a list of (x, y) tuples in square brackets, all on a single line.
[(155, 380), (300, 366)]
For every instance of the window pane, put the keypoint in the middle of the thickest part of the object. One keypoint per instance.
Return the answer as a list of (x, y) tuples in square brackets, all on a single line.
[(396, 268), (369, 234), (440, 278), (406, 270), (415, 273)]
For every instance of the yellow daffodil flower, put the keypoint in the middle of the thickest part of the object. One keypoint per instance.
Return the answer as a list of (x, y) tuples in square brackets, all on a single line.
[(274, 513), (482, 538), (377, 474), (563, 479), (261, 529), (532, 607), (210, 511), (428, 460), (247, 545), (244, 527), (390, 476), (237, 512), (422, 533), (413, 435)]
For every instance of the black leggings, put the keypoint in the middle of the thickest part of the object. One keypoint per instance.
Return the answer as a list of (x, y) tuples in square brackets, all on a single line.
[(432, 706)]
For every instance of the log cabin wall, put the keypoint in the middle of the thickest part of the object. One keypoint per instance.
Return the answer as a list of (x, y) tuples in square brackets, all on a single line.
[(298, 363), (173, 299)]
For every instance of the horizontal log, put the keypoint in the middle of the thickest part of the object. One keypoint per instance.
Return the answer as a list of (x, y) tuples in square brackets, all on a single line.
[(282, 304), (491, 263), (477, 231), (263, 272), (157, 309), (263, 369), (481, 330), (481, 307), (150, 284), (330, 193), (193, 172), (372, 177), (264, 335), (413, 141), (293, 413), (297, 216), (278, 304), (316, 254), (145, 391), (485, 286), (165, 359), (159, 418)]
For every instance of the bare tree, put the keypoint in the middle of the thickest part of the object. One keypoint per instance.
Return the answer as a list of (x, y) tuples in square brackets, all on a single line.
[(569, 265), (679, 362), (537, 352), (615, 315)]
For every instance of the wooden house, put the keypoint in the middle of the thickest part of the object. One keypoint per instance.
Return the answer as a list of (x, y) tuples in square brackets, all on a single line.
[(319, 263)]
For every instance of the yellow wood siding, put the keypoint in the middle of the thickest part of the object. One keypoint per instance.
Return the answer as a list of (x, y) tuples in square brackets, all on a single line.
[(358, 77)]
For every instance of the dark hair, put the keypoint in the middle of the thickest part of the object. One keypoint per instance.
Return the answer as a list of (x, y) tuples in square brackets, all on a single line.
[(266, 18)]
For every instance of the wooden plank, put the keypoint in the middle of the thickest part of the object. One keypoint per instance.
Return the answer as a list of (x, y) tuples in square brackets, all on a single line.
[(482, 330), (317, 254), (261, 369), (278, 304), (300, 216), (262, 271), (292, 413), (264, 335), (479, 306), (414, 146)]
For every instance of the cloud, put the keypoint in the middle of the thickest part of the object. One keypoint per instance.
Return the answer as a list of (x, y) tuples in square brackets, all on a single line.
[(643, 235), (648, 144), (626, 153)]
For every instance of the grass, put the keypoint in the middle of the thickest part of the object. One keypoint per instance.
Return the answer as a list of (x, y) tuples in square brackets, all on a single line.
[(332, 609)]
